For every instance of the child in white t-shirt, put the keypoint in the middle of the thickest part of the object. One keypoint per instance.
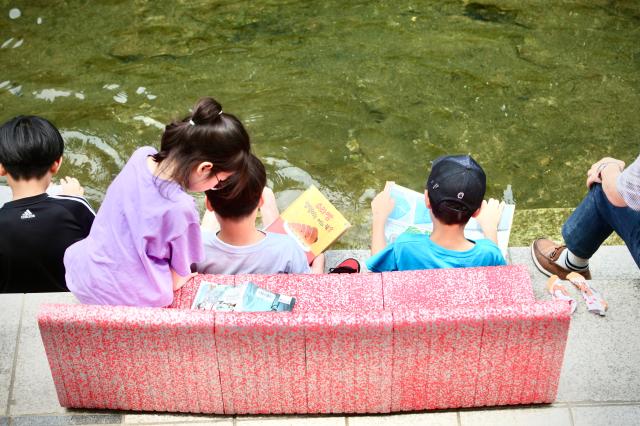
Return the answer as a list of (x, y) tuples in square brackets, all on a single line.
[(239, 247)]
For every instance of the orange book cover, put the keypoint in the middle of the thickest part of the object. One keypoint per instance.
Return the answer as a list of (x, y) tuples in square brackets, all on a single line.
[(312, 221)]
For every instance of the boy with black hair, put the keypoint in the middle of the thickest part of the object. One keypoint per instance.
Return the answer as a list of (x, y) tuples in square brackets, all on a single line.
[(239, 247), (454, 193), (36, 227)]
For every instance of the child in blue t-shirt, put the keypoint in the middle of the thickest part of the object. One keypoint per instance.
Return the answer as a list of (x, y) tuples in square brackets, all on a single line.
[(454, 193), (239, 247)]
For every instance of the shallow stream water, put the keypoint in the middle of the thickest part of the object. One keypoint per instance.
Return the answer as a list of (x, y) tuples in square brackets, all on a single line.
[(342, 94)]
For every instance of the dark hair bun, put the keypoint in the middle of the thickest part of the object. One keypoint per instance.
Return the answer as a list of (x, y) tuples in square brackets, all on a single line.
[(205, 135), (206, 111)]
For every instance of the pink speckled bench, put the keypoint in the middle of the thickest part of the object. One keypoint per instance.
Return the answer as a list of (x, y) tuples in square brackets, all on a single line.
[(359, 343)]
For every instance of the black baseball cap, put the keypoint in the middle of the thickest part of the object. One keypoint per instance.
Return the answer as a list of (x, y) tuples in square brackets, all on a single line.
[(457, 178)]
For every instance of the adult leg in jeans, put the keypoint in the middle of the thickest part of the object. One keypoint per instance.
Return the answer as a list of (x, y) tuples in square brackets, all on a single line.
[(595, 219)]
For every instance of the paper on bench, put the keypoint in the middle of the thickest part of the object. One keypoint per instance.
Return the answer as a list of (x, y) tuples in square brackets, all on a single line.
[(246, 297)]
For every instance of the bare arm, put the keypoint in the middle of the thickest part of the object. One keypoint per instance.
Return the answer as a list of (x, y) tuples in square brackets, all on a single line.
[(179, 280), (609, 185), (381, 207), (606, 172), (269, 209), (317, 266)]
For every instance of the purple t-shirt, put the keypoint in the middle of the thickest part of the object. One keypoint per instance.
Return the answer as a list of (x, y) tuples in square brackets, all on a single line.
[(144, 227)]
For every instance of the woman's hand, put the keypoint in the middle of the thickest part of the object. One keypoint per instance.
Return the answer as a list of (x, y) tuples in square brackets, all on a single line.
[(593, 174)]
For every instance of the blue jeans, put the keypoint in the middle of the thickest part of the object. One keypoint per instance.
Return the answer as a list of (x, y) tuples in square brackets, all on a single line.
[(595, 219)]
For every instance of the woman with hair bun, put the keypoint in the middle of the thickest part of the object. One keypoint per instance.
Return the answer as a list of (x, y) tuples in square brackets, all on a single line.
[(147, 234)]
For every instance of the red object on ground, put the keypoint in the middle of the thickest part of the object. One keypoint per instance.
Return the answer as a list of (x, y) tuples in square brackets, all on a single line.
[(355, 343), (347, 266)]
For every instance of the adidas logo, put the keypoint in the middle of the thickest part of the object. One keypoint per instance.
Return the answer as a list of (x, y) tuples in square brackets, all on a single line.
[(27, 215)]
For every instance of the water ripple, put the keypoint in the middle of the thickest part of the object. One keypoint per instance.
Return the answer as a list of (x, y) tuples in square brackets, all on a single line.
[(121, 97), (6, 43), (148, 121), (95, 141), (51, 94)]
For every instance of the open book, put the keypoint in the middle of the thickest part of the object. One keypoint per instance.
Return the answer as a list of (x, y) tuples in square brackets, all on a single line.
[(411, 213), (312, 221), (246, 297)]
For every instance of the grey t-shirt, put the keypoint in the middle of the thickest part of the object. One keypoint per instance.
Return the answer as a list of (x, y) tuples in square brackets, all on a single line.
[(274, 254), (629, 185)]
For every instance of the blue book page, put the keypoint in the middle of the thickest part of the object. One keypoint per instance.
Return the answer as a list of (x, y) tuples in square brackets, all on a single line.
[(403, 205), (215, 297), (422, 215), (409, 213), (246, 297)]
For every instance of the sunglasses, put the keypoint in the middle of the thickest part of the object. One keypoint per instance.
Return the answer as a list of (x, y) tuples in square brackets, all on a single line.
[(219, 185)]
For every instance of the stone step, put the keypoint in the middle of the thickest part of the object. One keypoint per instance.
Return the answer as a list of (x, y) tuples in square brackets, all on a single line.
[(601, 358), (609, 263)]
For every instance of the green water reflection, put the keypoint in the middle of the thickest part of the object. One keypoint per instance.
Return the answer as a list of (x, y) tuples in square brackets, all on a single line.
[(345, 94)]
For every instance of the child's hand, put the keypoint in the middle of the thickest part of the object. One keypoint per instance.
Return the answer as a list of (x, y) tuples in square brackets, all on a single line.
[(490, 213), (382, 205), (489, 218), (71, 186)]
